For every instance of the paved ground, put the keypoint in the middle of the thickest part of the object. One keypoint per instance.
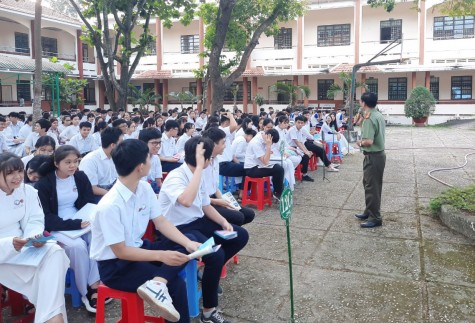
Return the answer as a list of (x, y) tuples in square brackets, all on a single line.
[(413, 269)]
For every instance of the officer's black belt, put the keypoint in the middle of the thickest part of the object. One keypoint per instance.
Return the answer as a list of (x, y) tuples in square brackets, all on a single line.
[(373, 152)]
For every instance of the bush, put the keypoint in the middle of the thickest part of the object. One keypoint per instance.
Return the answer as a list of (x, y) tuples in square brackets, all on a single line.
[(460, 198), (420, 103)]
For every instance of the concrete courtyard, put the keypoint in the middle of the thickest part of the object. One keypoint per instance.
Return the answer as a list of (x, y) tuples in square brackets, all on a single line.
[(412, 269)]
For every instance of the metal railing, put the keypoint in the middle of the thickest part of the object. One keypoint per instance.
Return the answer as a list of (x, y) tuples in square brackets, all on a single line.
[(15, 50)]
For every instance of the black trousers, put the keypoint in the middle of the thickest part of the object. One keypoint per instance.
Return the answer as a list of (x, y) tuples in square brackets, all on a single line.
[(169, 166), (277, 173), (128, 275), (319, 151), (203, 228), (231, 169), (243, 216), (373, 171)]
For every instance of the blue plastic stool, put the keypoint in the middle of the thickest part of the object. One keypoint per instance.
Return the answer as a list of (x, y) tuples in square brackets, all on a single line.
[(331, 155), (190, 275), (72, 289), (229, 182)]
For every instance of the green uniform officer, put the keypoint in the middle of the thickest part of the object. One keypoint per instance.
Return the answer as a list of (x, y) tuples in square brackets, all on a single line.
[(372, 145)]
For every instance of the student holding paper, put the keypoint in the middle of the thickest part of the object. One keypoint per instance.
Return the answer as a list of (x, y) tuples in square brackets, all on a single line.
[(125, 261), (22, 218), (63, 190), (211, 178), (186, 204)]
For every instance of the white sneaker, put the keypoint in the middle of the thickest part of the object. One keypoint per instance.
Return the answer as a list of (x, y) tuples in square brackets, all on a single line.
[(156, 294)]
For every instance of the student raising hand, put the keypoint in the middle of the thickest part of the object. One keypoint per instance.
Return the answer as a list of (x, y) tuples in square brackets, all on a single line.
[(268, 140), (200, 155)]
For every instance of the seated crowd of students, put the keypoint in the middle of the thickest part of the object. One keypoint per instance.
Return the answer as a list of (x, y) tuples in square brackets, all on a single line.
[(118, 161)]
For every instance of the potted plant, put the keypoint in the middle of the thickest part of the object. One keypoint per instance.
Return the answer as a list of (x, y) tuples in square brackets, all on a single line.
[(259, 99), (419, 105)]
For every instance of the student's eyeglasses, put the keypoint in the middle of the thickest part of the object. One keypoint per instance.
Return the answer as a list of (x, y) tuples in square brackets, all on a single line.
[(155, 143)]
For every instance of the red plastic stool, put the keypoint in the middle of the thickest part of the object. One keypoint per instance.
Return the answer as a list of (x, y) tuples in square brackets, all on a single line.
[(257, 197), (298, 173), (149, 232), (224, 271), (132, 306), (312, 163), (17, 304)]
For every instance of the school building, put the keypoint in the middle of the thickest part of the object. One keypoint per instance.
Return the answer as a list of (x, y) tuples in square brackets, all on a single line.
[(437, 51)]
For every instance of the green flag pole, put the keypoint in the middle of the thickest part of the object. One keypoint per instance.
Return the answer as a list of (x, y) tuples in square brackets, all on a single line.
[(285, 206)]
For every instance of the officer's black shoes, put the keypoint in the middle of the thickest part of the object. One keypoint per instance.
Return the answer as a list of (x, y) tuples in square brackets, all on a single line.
[(371, 224), (361, 216), (307, 178)]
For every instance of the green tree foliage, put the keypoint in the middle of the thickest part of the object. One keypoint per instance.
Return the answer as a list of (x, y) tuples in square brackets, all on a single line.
[(238, 25), (291, 91), (344, 87), (109, 26), (183, 97), (143, 99), (70, 89)]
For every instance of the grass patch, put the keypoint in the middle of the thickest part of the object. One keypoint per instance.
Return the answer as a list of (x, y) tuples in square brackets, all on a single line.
[(460, 198)]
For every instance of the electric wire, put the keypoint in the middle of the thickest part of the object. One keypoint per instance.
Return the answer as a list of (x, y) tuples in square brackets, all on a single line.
[(429, 173)]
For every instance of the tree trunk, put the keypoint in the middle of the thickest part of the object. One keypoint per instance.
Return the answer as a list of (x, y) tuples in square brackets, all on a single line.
[(37, 112), (218, 95)]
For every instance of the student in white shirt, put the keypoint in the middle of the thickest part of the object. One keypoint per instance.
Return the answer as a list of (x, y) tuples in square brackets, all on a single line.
[(240, 144), (83, 141), (27, 128), (227, 166), (22, 218), (65, 122), (63, 190), (153, 138), (128, 263), (257, 161), (186, 204), (98, 128), (70, 130), (201, 121), (3, 140), (44, 146), (98, 164), (188, 131), (211, 179), (168, 150), (53, 131), (301, 139), (41, 129)]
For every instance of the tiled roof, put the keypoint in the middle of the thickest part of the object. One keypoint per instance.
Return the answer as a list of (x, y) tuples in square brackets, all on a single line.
[(254, 71), (28, 7), (155, 75), (348, 68), (22, 64)]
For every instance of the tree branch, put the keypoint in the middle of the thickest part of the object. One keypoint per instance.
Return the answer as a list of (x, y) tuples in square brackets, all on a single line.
[(250, 47)]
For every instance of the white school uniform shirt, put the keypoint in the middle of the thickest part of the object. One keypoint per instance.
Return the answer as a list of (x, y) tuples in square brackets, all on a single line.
[(11, 132), (255, 149), (27, 159), (239, 147), (200, 123), (173, 186), (168, 148), (3, 143), (33, 138), (211, 177), (69, 132), (227, 153), (84, 145), (122, 216), (155, 169), (25, 218), (97, 138), (180, 144), (54, 134), (301, 135), (99, 168), (25, 131)]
